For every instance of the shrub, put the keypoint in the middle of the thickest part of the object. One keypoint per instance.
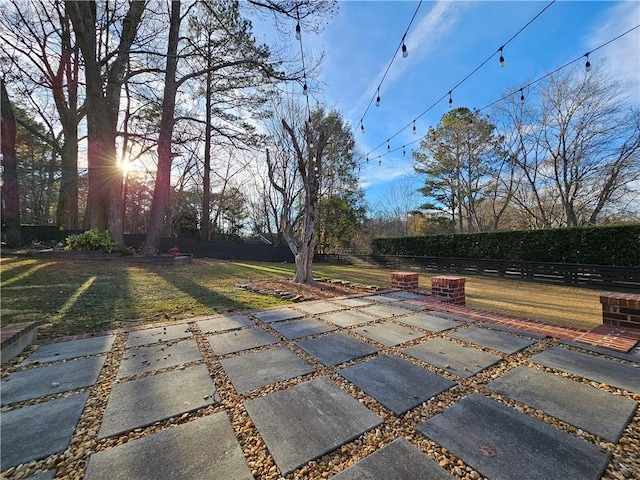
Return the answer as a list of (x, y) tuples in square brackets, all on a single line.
[(607, 245), (92, 240)]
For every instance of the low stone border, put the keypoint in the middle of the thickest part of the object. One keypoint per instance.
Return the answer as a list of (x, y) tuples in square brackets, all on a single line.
[(293, 297)]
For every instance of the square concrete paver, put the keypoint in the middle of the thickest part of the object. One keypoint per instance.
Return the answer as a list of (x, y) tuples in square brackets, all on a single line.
[(386, 311), (54, 352), (451, 316), (388, 334), (39, 430), (225, 322), (347, 318), (355, 302), (597, 412), (204, 449), (503, 342), (397, 384), (306, 421), (461, 361), (337, 348), (399, 460), (141, 402), (430, 322), (301, 328), (42, 381), (407, 295), (317, 308), (158, 334), (232, 342), (611, 372), (278, 315), (384, 298), (155, 357), (502, 443), (255, 370)]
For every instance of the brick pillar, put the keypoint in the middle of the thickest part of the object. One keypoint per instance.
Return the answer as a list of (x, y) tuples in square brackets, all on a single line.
[(449, 289), (404, 280), (621, 310)]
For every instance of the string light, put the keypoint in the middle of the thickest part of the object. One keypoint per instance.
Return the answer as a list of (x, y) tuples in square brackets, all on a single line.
[(298, 32), (304, 89), (587, 66), (404, 152), (465, 78), (362, 127), (388, 146), (501, 61), (414, 127), (401, 47), (521, 96)]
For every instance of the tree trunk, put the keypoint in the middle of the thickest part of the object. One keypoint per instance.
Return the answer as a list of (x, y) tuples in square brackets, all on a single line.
[(10, 192), (104, 201), (205, 222), (163, 175), (304, 256)]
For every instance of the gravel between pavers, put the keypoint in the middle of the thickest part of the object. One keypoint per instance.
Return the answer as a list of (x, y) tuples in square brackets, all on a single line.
[(71, 464)]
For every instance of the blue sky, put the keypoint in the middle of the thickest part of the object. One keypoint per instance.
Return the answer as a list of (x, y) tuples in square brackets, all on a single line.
[(446, 42)]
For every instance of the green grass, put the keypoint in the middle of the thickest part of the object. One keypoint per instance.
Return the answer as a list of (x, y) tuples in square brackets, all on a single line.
[(76, 296)]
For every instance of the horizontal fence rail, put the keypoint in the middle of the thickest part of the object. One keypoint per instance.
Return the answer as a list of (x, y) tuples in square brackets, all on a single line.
[(601, 276)]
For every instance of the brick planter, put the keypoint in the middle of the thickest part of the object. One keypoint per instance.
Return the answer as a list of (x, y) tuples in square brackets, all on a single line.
[(404, 280), (621, 310), (448, 289)]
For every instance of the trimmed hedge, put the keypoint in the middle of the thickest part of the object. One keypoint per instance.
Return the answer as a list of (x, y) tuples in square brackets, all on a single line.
[(607, 245)]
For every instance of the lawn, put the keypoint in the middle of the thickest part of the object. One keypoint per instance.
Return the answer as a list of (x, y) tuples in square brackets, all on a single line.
[(76, 296)]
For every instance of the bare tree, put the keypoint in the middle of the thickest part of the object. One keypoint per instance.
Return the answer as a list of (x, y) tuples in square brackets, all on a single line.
[(10, 194), (576, 150), (38, 44), (103, 102)]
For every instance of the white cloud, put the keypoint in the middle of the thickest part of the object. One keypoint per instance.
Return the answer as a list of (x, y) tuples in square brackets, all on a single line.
[(623, 55)]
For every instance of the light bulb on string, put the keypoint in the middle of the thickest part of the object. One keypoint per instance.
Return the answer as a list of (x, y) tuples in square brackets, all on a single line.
[(521, 96), (405, 53), (304, 89), (414, 127), (379, 162), (388, 146), (378, 98), (587, 66), (362, 127), (502, 62), (298, 32), (450, 100), (367, 158), (404, 152)]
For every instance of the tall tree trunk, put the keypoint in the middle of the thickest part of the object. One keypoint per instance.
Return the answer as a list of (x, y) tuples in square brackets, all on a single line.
[(163, 175), (104, 201), (10, 192), (205, 216), (67, 77)]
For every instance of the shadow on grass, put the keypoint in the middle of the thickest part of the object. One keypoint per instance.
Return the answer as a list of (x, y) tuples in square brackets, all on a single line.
[(97, 303), (206, 297)]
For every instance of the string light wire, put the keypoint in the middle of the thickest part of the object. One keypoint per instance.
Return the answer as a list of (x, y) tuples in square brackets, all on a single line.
[(401, 46), (519, 90), (448, 94)]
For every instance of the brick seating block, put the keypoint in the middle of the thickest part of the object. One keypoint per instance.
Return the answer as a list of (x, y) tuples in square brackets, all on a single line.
[(15, 337), (449, 289), (621, 310), (404, 280)]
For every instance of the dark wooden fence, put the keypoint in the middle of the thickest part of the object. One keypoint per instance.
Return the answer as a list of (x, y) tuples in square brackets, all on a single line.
[(600, 276)]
